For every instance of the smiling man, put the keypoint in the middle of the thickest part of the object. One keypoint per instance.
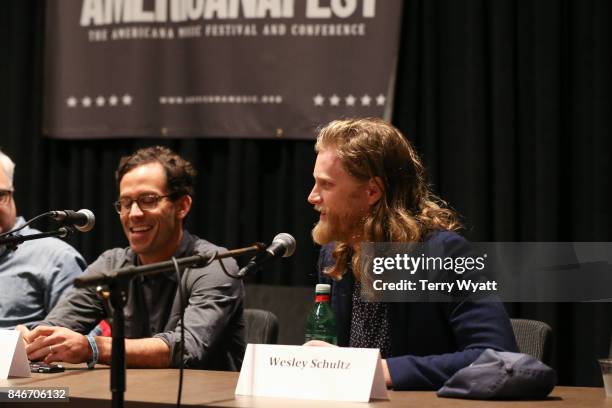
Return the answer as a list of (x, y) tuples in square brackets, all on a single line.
[(155, 195), (370, 186)]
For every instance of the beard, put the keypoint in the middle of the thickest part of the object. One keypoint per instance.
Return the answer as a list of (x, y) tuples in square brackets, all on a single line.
[(345, 228)]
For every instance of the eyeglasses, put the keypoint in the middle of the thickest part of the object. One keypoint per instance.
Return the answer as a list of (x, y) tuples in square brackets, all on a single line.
[(145, 202), (5, 196)]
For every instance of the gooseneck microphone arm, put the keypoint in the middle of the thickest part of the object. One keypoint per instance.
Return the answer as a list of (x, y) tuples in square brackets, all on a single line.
[(283, 245), (82, 220), (11, 241), (130, 272)]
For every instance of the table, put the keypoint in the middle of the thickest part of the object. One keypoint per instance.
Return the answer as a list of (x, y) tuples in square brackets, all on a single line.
[(158, 388)]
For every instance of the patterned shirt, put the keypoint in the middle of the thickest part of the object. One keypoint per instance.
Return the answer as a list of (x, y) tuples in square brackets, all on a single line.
[(369, 324)]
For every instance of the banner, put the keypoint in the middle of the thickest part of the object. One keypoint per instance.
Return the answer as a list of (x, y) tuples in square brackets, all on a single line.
[(216, 68)]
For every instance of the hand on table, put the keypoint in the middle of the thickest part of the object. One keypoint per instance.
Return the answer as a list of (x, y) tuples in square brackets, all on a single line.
[(52, 344), (24, 333), (319, 343), (385, 367)]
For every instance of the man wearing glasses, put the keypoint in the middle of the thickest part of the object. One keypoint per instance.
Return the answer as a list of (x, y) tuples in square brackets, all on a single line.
[(35, 274), (155, 196)]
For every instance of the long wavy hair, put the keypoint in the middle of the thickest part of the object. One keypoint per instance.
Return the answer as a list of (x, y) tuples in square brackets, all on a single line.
[(407, 210)]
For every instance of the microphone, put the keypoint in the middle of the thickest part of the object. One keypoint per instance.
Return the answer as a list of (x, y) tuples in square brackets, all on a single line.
[(282, 245), (83, 220)]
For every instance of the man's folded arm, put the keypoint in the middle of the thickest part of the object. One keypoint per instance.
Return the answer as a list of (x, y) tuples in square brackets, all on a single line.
[(477, 324)]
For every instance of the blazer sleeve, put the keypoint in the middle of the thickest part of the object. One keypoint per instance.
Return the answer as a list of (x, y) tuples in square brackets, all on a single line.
[(476, 324)]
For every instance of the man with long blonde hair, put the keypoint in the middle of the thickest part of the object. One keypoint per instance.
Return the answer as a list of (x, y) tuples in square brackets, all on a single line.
[(370, 186)]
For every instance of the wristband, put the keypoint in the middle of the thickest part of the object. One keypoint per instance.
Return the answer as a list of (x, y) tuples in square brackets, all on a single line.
[(94, 351)]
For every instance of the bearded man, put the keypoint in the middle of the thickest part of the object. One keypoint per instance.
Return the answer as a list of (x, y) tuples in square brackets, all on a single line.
[(370, 186)]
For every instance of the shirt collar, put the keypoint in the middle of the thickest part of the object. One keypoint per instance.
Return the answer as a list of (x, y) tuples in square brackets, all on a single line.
[(19, 221), (185, 248)]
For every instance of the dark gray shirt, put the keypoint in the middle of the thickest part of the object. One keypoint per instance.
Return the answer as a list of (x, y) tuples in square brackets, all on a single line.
[(214, 324)]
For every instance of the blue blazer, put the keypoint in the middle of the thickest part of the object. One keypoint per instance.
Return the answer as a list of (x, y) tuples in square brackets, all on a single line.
[(429, 341)]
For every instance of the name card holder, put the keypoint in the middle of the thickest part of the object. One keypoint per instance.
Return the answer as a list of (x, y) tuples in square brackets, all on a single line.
[(315, 373), (13, 357)]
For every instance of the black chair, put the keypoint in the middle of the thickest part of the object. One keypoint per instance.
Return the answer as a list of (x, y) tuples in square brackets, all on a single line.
[(290, 304), (534, 338), (261, 326)]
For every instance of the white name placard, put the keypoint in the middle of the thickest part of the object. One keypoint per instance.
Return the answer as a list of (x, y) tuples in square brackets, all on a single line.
[(318, 373), (13, 358)]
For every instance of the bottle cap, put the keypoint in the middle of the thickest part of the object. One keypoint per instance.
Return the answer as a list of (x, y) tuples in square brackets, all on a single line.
[(323, 288)]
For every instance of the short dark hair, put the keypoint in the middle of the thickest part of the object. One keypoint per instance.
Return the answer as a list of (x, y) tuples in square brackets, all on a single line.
[(180, 174)]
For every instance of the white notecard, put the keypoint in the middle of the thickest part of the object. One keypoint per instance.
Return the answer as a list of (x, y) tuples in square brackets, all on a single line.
[(13, 357), (319, 373)]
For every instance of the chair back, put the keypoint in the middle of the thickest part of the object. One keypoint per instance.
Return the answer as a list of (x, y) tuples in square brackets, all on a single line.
[(534, 338), (261, 326), (290, 304)]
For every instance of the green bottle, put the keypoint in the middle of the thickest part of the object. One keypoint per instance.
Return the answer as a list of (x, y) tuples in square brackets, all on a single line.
[(321, 322)]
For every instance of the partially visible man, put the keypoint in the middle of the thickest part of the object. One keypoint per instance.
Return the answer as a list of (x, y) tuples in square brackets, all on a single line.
[(370, 186), (155, 195), (34, 276)]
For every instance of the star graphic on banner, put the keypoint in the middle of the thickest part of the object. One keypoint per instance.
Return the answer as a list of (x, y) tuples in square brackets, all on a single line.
[(112, 100), (71, 102), (171, 100), (380, 100), (86, 102), (162, 100), (126, 99), (100, 101), (179, 99), (365, 100), (334, 100), (350, 100), (318, 100)]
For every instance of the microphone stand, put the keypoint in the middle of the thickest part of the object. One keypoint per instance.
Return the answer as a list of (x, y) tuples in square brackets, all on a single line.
[(12, 241), (117, 299), (117, 283)]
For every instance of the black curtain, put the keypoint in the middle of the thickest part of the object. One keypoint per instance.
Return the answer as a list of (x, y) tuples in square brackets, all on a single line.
[(509, 103)]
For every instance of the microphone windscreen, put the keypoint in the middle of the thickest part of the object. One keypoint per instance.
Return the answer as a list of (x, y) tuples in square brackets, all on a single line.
[(288, 242)]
